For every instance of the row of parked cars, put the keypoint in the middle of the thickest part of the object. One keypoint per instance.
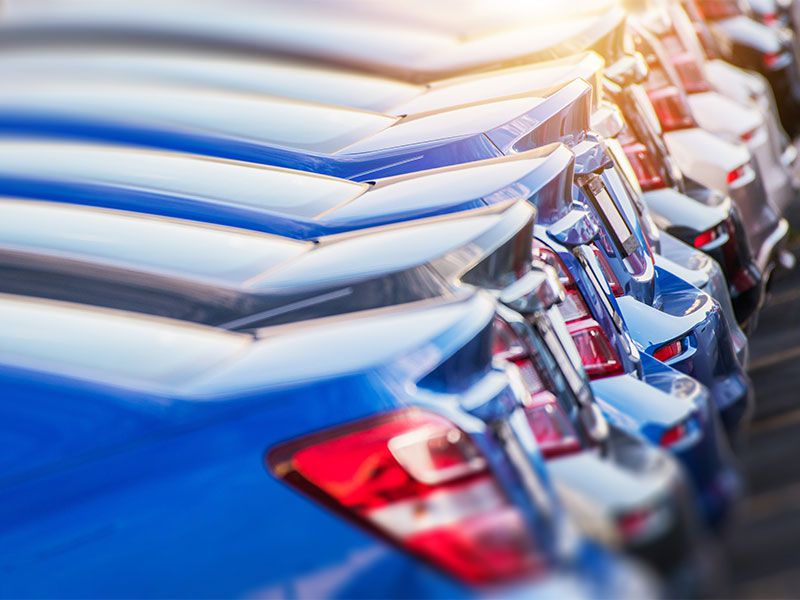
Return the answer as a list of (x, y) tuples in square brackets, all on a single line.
[(359, 299)]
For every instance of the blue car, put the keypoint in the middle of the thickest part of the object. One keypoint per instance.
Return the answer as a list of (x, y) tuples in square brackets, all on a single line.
[(362, 146), (673, 411), (173, 460), (401, 74)]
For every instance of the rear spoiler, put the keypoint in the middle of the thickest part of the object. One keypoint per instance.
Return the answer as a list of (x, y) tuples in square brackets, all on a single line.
[(406, 263), (564, 116)]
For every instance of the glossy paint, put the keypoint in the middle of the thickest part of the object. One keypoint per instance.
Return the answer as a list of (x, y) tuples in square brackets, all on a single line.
[(506, 138), (541, 176), (118, 486)]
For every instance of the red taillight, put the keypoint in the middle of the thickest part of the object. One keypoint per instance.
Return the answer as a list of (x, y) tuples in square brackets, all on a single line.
[(681, 432), (769, 19), (597, 355), (644, 165), (550, 425), (736, 174), (668, 351), (419, 480), (673, 435), (690, 73), (748, 135), (712, 10), (573, 307), (671, 108), (773, 59), (705, 238), (608, 272)]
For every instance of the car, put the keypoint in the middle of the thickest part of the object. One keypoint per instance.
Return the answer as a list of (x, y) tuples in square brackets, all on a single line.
[(745, 87), (732, 120), (674, 411), (674, 211), (165, 447), (749, 44), (766, 229)]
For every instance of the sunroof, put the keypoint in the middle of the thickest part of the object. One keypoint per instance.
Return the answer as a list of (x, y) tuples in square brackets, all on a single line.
[(252, 117), (176, 248), (110, 345), (293, 193)]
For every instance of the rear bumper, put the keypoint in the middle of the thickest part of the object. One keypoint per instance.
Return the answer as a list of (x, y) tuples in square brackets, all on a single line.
[(663, 398), (705, 273), (682, 312), (733, 254)]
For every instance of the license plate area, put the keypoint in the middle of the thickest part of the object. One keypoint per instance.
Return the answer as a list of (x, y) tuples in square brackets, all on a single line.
[(616, 225)]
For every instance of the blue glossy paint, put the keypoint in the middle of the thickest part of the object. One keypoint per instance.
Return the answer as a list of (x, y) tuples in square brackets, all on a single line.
[(544, 187), (115, 489)]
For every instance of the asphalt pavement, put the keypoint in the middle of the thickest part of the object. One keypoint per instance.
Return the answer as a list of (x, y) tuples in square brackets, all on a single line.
[(763, 542)]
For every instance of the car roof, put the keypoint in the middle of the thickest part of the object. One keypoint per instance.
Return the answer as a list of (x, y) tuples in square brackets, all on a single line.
[(239, 279), (293, 204)]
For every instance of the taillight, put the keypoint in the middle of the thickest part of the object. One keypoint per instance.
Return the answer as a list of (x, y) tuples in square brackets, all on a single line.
[(690, 73), (644, 166), (608, 272), (769, 19), (701, 240), (681, 432), (668, 351), (419, 480), (597, 355), (773, 59), (748, 135), (573, 307), (672, 109), (712, 10), (736, 174), (551, 426)]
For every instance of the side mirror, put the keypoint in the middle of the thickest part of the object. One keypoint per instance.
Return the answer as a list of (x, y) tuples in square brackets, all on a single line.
[(536, 291)]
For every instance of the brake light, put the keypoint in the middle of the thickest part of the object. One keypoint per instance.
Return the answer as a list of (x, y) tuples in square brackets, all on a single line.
[(736, 174), (551, 427), (769, 19), (690, 73), (712, 10), (573, 307), (748, 135), (419, 480), (668, 351), (549, 423), (608, 272), (597, 355), (671, 108), (647, 172), (705, 238), (773, 59), (680, 432)]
